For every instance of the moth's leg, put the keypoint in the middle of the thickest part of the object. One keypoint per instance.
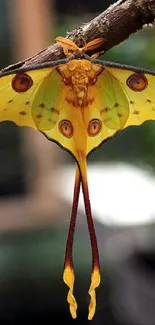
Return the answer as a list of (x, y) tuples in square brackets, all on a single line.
[(96, 55)]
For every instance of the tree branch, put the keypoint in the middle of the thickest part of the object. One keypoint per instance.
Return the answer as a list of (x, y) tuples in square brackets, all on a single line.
[(116, 24)]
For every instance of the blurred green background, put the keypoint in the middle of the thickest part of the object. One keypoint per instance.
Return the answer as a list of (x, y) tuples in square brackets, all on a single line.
[(34, 217)]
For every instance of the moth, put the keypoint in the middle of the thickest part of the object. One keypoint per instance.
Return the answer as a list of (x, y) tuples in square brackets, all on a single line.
[(78, 102)]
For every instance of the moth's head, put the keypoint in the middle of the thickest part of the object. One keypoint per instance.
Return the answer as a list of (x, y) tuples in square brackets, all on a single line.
[(70, 48)]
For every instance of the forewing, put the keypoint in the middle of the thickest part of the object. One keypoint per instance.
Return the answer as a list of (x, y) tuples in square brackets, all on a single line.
[(122, 97), (139, 93), (20, 107), (43, 106)]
